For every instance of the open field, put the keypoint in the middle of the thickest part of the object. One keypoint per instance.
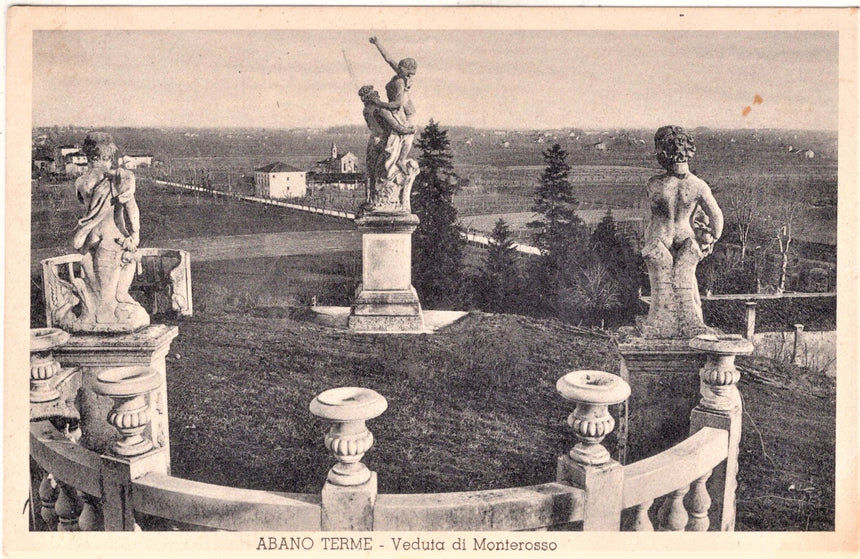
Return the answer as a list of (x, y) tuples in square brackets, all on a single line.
[(168, 213), (503, 167)]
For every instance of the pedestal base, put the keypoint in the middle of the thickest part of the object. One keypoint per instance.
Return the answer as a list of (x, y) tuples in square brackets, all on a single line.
[(93, 353), (663, 374), (386, 311), (386, 301)]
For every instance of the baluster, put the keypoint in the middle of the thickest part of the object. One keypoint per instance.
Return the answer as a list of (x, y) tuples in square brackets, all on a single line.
[(643, 522), (698, 504), (588, 465), (672, 515), (48, 496), (68, 508), (90, 519), (349, 493)]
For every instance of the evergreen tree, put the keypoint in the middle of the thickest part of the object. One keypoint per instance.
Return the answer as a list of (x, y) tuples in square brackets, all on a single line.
[(437, 246), (609, 248), (497, 286), (561, 235)]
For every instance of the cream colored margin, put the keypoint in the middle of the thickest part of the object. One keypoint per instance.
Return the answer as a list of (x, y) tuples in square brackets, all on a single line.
[(23, 20)]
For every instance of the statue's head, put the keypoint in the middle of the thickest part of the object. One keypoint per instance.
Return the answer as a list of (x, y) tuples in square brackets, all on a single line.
[(407, 67), (99, 146), (367, 93), (673, 145)]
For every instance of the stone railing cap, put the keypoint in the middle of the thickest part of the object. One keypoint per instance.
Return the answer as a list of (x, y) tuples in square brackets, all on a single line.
[(593, 387), (43, 339), (127, 381), (348, 403), (722, 344)]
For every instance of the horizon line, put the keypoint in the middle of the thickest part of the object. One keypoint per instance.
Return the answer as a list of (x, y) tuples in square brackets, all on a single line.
[(493, 128)]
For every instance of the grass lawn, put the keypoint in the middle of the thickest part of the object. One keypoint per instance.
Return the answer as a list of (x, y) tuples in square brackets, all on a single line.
[(472, 407), (169, 213)]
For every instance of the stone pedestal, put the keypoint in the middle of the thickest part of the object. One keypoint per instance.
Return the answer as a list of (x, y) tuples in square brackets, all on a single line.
[(663, 374), (386, 301), (94, 353)]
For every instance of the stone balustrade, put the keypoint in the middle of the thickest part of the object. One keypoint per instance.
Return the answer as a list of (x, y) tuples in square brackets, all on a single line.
[(687, 487)]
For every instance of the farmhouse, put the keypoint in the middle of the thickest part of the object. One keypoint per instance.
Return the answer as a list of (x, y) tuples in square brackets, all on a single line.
[(74, 164), (135, 160), (279, 180)]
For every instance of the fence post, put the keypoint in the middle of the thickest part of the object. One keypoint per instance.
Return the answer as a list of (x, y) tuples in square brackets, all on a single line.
[(133, 453), (588, 465), (797, 352), (349, 493), (750, 305), (720, 407)]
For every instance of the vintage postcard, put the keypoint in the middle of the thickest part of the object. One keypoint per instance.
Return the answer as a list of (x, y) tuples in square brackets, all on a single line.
[(414, 281)]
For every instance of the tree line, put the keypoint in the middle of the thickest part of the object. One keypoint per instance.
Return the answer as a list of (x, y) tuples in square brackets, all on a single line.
[(587, 276), (581, 276)]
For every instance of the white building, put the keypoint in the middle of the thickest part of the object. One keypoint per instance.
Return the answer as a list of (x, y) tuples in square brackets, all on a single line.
[(279, 180), (135, 160)]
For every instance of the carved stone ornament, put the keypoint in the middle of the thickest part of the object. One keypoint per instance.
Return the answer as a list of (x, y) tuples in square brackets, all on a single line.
[(347, 408), (593, 392)]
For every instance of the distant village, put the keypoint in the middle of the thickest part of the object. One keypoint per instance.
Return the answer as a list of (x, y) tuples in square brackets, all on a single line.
[(275, 180)]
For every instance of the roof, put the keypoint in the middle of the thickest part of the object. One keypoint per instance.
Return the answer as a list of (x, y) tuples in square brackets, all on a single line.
[(278, 168)]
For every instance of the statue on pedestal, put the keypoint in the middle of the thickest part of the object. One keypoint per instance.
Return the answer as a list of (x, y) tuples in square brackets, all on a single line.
[(685, 223), (107, 237), (390, 173)]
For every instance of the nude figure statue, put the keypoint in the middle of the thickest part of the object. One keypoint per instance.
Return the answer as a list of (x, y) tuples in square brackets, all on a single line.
[(685, 223), (107, 237), (390, 171)]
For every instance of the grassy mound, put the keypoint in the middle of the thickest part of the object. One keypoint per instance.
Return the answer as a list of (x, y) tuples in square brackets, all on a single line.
[(472, 407)]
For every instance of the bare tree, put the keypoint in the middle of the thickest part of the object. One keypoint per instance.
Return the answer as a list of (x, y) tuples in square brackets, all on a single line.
[(786, 213), (745, 207)]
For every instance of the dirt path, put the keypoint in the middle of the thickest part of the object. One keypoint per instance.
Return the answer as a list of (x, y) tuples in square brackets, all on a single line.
[(248, 246)]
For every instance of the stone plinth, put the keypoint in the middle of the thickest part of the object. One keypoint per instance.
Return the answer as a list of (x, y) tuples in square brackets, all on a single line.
[(93, 354), (386, 301), (663, 374)]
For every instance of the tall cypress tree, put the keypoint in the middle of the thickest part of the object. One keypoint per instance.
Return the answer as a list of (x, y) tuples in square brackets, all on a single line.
[(437, 246), (497, 285), (561, 236)]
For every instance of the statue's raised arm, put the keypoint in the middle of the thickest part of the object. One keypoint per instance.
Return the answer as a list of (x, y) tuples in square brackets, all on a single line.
[(391, 62)]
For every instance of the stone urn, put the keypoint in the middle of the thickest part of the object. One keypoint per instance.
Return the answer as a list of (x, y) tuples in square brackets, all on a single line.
[(347, 408), (43, 366), (719, 376), (128, 387), (593, 392)]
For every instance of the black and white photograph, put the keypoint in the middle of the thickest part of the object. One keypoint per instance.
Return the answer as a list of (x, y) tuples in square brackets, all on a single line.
[(422, 281)]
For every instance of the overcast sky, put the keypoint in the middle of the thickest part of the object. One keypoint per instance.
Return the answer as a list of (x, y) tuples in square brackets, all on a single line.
[(494, 79)]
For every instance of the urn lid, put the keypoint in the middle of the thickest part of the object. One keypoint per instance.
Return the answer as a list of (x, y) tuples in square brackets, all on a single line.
[(593, 387), (348, 403), (722, 344)]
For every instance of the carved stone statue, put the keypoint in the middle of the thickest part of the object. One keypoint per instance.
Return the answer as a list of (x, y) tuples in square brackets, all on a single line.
[(107, 238), (685, 223), (390, 173)]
